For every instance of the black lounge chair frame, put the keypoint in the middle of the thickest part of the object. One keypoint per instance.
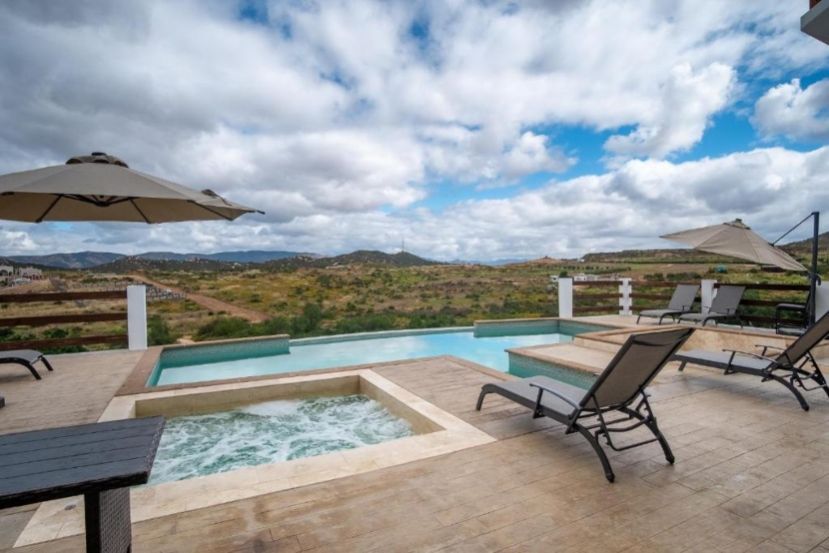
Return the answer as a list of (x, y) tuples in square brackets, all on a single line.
[(27, 358), (729, 295), (634, 406), (681, 303), (792, 326), (791, 361)]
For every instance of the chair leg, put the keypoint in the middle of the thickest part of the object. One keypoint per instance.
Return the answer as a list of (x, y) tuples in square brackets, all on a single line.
[(638, 318), (608, 470), (803, 404), (682, 365), (481, 397), (650, 422), (817, 375), (46, 364), (31, 369)]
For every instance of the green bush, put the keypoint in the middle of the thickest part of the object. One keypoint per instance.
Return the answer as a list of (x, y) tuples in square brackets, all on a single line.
[(225, 327), (158, 331), (365, 323), (307, 322)]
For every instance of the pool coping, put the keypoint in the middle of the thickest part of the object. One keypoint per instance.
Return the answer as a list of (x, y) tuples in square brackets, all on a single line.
[(62, 518), (136, 381), (609, 341)]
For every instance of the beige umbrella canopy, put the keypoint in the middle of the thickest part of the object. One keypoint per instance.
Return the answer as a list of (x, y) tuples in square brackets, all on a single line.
[(735, 239), (101, 187)]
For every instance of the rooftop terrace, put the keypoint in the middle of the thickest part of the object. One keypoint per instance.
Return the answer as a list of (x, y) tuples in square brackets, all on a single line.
[(752, 473)]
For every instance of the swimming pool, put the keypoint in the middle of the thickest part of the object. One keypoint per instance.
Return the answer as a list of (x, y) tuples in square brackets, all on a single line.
[(483, 344)]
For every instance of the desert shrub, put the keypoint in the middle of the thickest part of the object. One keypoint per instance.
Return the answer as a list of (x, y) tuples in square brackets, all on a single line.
[(275, 325), (365, 323), (57, 334), (308, 321), (158, 331), (225, 327)]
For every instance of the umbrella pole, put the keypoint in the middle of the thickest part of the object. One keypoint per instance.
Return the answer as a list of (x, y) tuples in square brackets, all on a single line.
[(814, 277)]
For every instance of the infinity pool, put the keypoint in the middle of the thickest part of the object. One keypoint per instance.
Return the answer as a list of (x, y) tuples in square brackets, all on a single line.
[(485, 346)]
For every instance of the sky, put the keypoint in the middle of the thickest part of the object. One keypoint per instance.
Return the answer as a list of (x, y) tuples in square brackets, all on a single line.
[(474, 130)]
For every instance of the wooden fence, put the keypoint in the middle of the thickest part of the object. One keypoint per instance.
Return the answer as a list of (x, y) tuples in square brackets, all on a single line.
[(757, 307), (595, 297), (59, 319)]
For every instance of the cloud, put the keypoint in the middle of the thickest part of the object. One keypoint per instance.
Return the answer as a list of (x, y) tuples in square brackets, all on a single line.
[(628, 207), (678, 122), (795, 112), (341, 118)]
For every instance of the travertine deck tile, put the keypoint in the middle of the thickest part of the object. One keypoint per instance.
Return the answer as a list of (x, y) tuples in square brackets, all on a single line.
[(752, 474)]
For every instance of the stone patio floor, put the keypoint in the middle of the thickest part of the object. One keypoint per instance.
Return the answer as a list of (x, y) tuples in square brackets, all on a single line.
[(752, 474)]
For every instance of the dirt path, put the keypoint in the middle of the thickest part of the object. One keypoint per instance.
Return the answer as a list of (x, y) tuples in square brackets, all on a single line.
[(209, 303)]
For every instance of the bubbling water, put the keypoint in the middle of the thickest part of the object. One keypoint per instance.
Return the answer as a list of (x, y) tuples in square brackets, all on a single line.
[(271, 432)]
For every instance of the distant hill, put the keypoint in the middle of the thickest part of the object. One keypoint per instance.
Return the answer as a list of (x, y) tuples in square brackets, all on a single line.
[(374, 257), (247, 256), (803, 248), (181, 262), (491, 262), (78, 260), (134, 263), (88, 260), (359, 257), (674, 255)]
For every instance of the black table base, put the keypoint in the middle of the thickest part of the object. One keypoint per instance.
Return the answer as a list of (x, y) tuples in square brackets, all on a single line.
[(99, 461), (107, 517)]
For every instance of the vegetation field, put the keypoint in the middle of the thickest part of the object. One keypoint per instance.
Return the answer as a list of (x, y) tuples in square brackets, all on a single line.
[(363, 296)]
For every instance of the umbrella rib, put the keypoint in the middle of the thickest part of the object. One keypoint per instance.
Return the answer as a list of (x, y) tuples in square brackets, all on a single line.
[(98, 202), (48, 209), (213, 211), (138, 209)]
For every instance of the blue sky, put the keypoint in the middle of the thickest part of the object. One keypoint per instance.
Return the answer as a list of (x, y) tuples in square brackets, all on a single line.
[(471, 129)]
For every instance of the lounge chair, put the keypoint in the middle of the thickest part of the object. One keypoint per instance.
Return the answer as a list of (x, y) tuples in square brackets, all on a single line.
[(796, 325), (25, 357), (788, 368), (724, 306), (681, 302), (620, 387)]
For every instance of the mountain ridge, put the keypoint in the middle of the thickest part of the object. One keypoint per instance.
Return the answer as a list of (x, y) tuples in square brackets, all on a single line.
[(358, 257), (90, 259)]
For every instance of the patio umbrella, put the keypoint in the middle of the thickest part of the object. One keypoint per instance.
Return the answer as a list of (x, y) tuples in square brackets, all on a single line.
[(736, 239), (100, 187)]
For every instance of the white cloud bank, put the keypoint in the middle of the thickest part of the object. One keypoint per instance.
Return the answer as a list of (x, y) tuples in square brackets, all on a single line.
[(337, 117), (770, 188), (795, 112)]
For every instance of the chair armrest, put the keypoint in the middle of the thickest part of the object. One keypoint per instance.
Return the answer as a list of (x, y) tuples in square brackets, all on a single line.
[(734, 352), (767, 347), (790, 307), (557, 394)]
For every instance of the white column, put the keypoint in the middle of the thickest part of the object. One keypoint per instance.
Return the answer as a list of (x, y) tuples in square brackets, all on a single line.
[(821, 300), (565, 298), (625, 301), (707, 294), (137, 316)]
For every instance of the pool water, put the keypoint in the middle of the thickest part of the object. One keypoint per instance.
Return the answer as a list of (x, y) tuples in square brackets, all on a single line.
[(485, 346), (271, 432)]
